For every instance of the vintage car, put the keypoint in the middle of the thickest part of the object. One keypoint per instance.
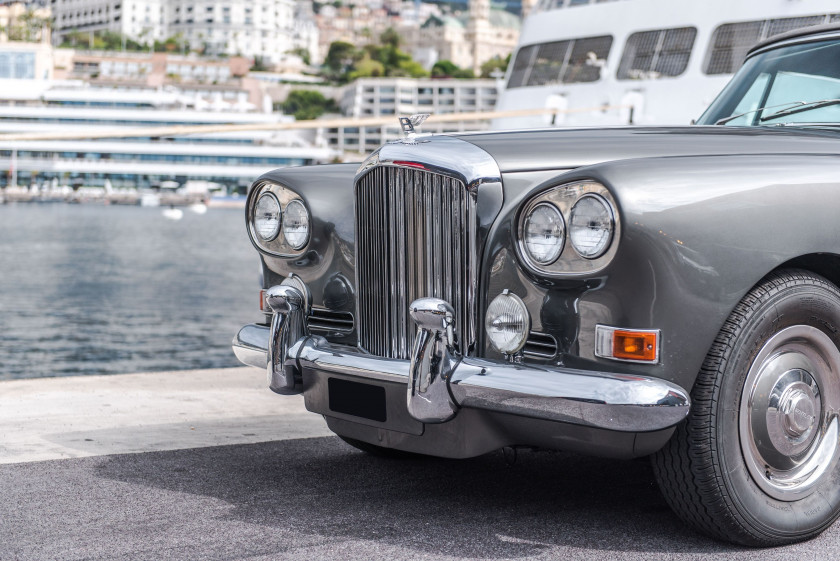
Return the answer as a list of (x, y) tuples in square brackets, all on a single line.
[(622, 292)]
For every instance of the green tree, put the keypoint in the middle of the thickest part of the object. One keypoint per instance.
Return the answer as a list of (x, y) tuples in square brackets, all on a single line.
[(340, 58), (101, 40), (410, 68), (28, 27), (395, 61), (172, 44), (495, 63), (346, 62), (448, 69), (390, 38), (307, 104), (367, 68), (303, 54)]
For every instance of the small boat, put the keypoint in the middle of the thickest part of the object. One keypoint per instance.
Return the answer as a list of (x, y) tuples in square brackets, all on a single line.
[(150, 199), (173, 213), (198, 208)]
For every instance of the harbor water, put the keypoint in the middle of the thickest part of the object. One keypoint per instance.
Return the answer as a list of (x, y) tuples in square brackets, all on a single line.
[(95, 289)]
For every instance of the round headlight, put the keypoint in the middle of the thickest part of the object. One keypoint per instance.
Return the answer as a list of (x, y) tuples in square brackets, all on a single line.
[(507, 323), (544, 233), (591, 226), (296, 224), (267, 217)]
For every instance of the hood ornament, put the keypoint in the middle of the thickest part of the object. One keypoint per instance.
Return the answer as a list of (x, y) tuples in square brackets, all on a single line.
[(409, 125)]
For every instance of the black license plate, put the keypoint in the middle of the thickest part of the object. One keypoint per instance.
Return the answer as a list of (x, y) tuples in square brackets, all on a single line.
[(360, 400)]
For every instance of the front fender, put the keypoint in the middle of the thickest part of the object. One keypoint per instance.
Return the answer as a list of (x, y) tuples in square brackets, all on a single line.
[(698, 233)]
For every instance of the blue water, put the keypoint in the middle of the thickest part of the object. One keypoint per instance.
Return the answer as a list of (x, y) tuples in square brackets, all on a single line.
[(91, 289)]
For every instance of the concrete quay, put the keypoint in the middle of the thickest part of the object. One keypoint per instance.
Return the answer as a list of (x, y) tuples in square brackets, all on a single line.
[(211, 465), (73, 417)]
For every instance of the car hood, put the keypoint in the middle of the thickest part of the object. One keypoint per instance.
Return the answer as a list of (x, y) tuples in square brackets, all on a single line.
[(571, 148)]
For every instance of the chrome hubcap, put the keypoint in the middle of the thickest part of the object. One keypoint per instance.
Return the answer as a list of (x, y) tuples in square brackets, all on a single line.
[(788, 422)]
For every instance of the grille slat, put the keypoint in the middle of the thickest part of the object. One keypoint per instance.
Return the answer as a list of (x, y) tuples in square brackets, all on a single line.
[(324, 320), (540, 345), (415, 235)]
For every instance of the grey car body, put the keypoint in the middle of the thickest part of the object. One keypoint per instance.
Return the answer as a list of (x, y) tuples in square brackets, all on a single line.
[(703, 214)]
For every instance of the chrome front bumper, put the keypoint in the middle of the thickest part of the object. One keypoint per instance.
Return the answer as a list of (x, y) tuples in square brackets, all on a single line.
[(439, 383)]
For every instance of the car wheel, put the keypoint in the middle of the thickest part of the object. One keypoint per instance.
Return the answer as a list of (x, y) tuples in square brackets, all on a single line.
[(755, 463), (379, 451)]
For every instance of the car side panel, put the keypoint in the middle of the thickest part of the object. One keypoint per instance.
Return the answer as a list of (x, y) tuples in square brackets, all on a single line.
[(698, 233)]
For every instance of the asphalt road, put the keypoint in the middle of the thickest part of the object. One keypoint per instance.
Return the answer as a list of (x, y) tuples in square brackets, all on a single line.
[(317, 498)]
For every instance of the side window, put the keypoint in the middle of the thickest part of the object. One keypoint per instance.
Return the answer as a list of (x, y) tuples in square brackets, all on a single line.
[(587, 58), (548, 64), (657, 54), (731, 41), (568, 62), (521, 66)]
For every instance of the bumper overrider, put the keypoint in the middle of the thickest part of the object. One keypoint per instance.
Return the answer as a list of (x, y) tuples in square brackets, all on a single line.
[(438, 383)]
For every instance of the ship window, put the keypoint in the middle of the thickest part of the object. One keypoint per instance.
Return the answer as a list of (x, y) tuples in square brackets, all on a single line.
[(732, 41), (568, 62), (656, 54)]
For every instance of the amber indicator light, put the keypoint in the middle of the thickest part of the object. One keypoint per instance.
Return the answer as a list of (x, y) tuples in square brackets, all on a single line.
[(262, 301), (634, 345)]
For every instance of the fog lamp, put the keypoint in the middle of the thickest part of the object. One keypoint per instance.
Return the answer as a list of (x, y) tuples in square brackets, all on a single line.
[(507, 323)]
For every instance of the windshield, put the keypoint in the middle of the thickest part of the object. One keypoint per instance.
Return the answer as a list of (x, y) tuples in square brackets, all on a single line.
[(792, 85)]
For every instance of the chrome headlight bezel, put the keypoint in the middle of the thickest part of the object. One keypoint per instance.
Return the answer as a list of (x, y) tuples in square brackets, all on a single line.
[(564, 197), (278, 246)]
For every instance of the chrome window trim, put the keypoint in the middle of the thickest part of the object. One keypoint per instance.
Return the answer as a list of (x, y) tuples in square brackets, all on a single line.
[(277, 246), (569, 263)]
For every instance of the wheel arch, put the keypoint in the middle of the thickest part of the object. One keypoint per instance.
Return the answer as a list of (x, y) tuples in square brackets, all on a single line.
[(824, 264)]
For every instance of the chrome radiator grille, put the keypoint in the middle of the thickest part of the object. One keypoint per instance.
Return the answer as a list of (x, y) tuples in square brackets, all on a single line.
[(415, 237)]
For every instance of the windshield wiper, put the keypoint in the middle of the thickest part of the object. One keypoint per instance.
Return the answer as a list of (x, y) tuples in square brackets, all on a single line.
[(807, 124), (802, 106), (733, 117)]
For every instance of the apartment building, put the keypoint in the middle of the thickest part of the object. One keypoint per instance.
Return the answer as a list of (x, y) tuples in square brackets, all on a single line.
[(381, 97), (267, 29)]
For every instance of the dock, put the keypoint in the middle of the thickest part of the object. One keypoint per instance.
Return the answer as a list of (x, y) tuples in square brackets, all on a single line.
[(79, 416), (210, 464)]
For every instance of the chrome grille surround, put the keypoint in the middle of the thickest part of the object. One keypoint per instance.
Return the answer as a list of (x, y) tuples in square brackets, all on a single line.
[(415, 237), (423, 209)]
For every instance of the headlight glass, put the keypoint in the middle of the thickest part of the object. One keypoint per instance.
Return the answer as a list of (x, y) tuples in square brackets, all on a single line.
[(544, 233), (507, 323), (296, 224), (591, 226), (267, 217)]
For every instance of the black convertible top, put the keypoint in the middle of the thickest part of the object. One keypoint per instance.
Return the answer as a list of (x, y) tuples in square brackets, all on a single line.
[(816, 31)]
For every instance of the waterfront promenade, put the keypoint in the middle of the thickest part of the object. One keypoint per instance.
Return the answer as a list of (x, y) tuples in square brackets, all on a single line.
[(78, 416), (209, 464)]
